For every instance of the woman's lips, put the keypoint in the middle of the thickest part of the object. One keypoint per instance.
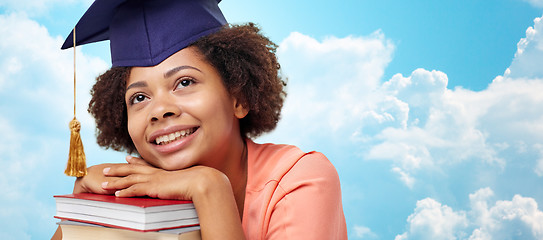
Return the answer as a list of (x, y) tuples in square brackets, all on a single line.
[(171, 140), (168, 138)]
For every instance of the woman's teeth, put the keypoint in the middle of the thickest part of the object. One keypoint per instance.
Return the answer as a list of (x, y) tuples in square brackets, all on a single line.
[(165, 139)]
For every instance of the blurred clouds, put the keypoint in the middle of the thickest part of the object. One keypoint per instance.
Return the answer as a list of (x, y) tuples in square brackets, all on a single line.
[(527, 61), (363, 232), (331, 84), (36, 85), (432, 220), (25, 165), (414, 122), (519, 218), (426, 135), (33, 71), (427, 132), (535, 3), (31, 7), (539, 167)]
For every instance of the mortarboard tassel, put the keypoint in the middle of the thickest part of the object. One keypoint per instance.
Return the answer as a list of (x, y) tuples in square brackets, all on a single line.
[(76, 159), (76, 166)]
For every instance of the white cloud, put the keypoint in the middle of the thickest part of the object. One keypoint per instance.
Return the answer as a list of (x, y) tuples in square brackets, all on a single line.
[(404, 177), (519, 218), (529, 55), (539, 165), (331, 83), (415, 122), (363, 232), (24, 162), (28, 6), (36, 8), (479, 205), (432, 220), (447, 127), (34, 67), (36, 85), (535, 3)]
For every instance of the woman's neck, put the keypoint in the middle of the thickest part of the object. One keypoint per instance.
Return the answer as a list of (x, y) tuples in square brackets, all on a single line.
[(235, 168)]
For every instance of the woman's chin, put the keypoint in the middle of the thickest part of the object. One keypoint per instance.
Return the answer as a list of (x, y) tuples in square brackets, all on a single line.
[(173, 164)]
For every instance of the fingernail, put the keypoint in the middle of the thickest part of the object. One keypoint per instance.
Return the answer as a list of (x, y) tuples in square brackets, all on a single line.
[(128, 158), (106, 170), (104, 184), (117, 193)]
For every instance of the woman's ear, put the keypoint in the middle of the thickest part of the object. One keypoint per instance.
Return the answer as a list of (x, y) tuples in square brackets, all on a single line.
[(239, 110)]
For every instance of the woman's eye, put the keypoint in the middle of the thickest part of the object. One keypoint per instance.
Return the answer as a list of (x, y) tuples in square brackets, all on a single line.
[(138, 98), (184, 83)]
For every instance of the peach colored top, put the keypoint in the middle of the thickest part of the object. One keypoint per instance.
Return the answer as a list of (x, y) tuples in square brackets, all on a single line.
[(291, 195)]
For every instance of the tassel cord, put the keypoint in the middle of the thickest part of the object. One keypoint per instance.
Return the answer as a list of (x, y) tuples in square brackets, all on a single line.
[(76, 166)]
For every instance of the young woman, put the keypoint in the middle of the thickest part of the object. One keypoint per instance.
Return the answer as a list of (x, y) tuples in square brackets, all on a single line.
[(190, 119)]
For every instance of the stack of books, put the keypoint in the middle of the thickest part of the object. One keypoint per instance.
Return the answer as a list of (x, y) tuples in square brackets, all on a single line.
[(95, 216)]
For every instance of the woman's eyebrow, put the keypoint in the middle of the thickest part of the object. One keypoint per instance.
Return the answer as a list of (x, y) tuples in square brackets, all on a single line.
[(177, 69), (136, 84)]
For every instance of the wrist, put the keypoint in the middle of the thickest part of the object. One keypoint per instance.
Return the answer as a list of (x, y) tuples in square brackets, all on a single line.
[(78, 186), (211, 184)]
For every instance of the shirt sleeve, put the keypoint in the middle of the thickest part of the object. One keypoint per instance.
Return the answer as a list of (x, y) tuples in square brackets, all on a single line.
[(310, 207)]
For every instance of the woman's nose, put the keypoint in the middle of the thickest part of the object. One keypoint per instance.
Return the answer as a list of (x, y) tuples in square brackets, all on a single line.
[(164, 107)]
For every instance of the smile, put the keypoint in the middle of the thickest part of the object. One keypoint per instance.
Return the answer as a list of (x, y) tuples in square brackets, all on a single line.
[(168, 138)]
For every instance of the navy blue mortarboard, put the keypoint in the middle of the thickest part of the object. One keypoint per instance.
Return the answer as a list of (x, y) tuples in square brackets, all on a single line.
[(145, 32)]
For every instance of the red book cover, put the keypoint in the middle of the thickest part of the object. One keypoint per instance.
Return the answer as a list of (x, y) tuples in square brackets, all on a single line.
[(142, 202), (137, 213)]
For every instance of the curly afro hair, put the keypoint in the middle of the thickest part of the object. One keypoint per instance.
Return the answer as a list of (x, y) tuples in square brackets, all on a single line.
[(249, 69)]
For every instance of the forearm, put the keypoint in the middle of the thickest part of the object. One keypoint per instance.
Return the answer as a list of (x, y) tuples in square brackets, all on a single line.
[(57, 235), (217, 209)]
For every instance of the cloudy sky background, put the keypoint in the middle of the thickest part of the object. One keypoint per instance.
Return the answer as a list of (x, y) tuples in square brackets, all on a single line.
[(431, 111)]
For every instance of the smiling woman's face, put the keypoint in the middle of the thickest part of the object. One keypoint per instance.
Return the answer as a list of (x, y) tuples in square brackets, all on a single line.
[(180, 114)]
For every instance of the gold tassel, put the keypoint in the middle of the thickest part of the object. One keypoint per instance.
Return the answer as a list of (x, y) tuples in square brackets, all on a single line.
[(77, 166)]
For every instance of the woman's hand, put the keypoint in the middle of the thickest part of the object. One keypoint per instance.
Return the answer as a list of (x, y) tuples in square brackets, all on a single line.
[(208, 188), (138, 178)]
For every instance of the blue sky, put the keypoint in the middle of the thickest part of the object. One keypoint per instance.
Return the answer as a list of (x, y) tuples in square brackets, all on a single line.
[(430, 110)]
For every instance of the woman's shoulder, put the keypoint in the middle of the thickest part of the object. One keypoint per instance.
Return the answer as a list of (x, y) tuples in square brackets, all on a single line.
[(282, 176), (278, 162)]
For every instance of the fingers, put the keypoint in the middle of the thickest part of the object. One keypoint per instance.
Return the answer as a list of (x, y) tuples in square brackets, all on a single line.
[(131, 186), (136, 190), (125, 182), (136, 160), (122, 170), (131, 178), (105, 191), (91, 183)]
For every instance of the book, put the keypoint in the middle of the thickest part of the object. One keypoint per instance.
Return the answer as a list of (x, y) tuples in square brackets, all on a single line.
[(138, 214), (72, 230)]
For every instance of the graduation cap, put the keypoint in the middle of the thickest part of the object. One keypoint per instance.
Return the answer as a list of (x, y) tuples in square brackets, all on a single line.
[(145, 32), (141, 33)]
